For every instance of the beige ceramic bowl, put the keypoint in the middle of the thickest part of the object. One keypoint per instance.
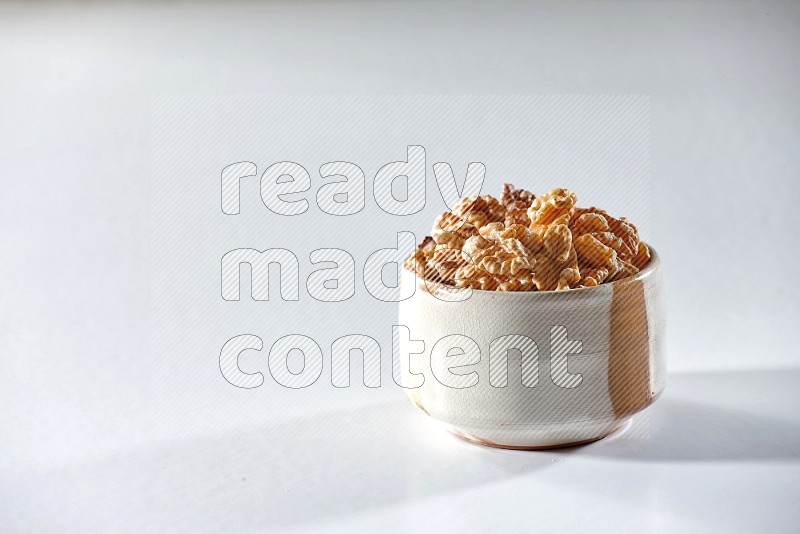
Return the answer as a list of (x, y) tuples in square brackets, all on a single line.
[(535, 370)]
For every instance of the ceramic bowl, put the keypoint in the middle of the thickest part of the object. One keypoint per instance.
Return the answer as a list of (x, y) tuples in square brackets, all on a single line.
[(533, 370)]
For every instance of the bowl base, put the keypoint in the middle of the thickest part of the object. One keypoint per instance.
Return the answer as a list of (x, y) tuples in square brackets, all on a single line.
[(479, 441), (535, 440)]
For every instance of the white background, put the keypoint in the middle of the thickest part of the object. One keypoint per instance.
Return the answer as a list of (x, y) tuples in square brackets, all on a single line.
[(81, 392)]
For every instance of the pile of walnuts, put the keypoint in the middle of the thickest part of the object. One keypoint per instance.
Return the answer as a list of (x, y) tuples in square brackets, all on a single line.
[(522, 242)]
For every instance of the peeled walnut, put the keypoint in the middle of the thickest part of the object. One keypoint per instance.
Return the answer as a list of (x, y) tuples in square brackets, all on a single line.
[(619, 234), (516, 202), (554, 206), (484, 208)]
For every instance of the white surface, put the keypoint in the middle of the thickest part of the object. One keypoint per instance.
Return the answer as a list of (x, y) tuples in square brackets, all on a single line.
[(717, 453), (92, 432)]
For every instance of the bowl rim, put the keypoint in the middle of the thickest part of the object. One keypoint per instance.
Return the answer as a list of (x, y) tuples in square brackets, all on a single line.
[(650, 268)]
